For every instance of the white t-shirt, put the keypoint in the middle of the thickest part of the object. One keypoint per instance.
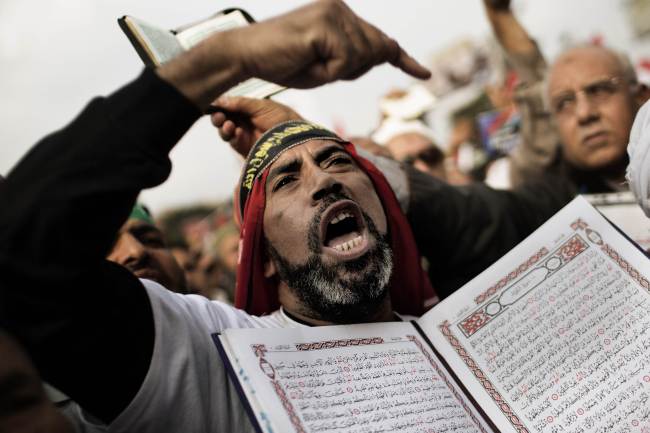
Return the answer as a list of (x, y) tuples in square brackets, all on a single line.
[(187, 388)]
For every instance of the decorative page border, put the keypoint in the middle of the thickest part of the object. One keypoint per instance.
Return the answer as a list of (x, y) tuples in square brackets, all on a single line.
[(511, 276), (476, 320), (571, 249), (266, 367), (339, 343), (595, 238), (445, 328), (442, 374)]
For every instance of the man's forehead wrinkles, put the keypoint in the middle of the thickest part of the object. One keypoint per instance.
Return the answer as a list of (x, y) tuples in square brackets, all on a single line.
[(588, 82)]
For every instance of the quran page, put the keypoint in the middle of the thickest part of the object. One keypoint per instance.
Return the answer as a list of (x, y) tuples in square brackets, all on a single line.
[(194, 34), (359, 378), (555, 336), (160, 45)]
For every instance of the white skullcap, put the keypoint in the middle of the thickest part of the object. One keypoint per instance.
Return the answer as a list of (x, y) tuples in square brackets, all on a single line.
[(415, 102), (638, 170), (392, 127)]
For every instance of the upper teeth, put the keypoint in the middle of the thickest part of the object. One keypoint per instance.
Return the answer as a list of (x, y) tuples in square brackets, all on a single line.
[(341, 217)]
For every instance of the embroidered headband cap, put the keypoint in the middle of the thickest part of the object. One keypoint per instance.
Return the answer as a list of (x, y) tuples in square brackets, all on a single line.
[(271, 145)]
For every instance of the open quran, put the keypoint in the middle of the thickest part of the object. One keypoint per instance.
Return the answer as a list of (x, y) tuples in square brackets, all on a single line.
[(554, 337), (156, 45)]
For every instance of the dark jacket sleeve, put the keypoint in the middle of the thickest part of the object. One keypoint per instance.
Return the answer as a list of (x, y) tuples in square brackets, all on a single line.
[(86, 322), (463, 230)]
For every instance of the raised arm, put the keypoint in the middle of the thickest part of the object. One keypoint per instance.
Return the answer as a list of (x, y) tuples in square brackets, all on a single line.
[(539, 145), (86, 322), (510, 33)]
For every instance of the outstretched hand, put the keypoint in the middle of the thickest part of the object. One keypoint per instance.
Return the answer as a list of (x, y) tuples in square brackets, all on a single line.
[(321, 42), (241, 121)]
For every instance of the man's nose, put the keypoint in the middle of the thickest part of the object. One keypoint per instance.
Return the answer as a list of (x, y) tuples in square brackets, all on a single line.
[(132, 250), (586, 109), (323, 185)]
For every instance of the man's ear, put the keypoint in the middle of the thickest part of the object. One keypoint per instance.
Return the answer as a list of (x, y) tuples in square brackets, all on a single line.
[(641, 94), (269, 268)]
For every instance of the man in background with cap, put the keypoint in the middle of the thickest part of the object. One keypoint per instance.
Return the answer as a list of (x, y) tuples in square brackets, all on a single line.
[(140, 247), (139, 357)]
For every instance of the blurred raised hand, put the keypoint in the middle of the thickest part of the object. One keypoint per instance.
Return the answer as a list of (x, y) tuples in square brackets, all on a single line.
[(241, 121)]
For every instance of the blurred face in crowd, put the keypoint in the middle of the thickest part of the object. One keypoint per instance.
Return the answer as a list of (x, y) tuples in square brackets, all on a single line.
[(140, 247), (593, 104), (228, 251), (24, 406), (325, 231), (418, 150)]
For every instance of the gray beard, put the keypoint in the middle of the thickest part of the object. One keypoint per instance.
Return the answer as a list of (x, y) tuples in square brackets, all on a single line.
[(347, 292)]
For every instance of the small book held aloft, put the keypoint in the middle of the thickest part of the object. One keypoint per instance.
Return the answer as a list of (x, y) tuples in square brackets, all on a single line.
[(156, 45)]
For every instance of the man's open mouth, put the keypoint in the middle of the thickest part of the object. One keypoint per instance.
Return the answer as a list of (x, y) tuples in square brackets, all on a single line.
[(343, 230)]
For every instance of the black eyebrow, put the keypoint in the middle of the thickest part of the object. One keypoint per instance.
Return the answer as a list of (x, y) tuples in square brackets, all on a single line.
[(288, 167), (294, 165), (326, 152)]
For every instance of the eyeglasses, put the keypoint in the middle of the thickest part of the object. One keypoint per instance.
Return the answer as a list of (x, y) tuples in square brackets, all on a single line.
[(430, 156), (564, 104)]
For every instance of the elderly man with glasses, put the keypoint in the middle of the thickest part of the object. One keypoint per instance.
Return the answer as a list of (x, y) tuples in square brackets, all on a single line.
[(577, 113)]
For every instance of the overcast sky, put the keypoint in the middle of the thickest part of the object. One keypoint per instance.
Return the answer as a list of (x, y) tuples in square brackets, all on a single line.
[(57, 54)]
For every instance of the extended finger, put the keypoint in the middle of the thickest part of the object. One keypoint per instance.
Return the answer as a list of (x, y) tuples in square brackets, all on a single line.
[(238, 142), (386, 49), (411, 66), (227, 131), (218, 118)]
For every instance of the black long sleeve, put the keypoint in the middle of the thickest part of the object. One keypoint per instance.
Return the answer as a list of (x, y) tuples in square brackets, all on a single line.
[(86, 322), (463, 230)]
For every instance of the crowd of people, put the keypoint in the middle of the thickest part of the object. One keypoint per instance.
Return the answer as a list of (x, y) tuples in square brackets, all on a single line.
[(323, 229)]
